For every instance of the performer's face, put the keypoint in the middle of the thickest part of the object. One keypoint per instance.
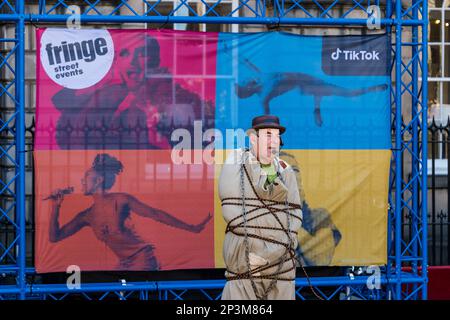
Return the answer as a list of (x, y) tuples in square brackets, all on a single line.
[(266, 144), (91, 182), (133, 65)]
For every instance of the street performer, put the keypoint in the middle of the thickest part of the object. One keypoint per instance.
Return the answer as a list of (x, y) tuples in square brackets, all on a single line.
[(262, 208)]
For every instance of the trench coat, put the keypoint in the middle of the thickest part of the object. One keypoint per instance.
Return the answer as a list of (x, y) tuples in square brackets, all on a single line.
[(267, 255)]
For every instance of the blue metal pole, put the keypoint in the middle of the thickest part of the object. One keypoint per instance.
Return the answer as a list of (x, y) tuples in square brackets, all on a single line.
[(424, 109), (415, 145), (20, 146), (42, 7), (6, 17), (164, 286), (389, 218), (398, 148), (212, 20)]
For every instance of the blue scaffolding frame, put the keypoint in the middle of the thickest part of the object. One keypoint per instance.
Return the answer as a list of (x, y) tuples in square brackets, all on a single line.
[(409, 81)]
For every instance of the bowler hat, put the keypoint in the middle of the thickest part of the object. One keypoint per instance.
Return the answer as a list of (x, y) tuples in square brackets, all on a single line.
[(267, 121)]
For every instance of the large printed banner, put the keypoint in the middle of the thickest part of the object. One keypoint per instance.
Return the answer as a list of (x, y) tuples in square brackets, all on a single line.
[(133, 127)]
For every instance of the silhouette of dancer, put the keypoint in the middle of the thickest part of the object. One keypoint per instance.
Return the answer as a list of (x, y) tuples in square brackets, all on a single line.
[(108, 214), (271, 85), (318, 235), (134, 108)]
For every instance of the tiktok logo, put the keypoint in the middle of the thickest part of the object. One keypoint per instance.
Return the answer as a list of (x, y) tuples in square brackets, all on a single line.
[(351, 55), (355, 55), (335, 55)]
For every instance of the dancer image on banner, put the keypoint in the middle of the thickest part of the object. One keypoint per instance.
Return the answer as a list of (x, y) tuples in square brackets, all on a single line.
[(108, 214), (318, 235), (271, 85), (135, 107)]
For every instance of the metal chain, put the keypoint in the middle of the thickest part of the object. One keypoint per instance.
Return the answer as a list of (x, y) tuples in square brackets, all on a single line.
[(247, 250), (289, 251), (244, 215)]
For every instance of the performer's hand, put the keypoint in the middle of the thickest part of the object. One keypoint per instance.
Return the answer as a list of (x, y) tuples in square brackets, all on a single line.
[(57, 197), (199, 227)]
